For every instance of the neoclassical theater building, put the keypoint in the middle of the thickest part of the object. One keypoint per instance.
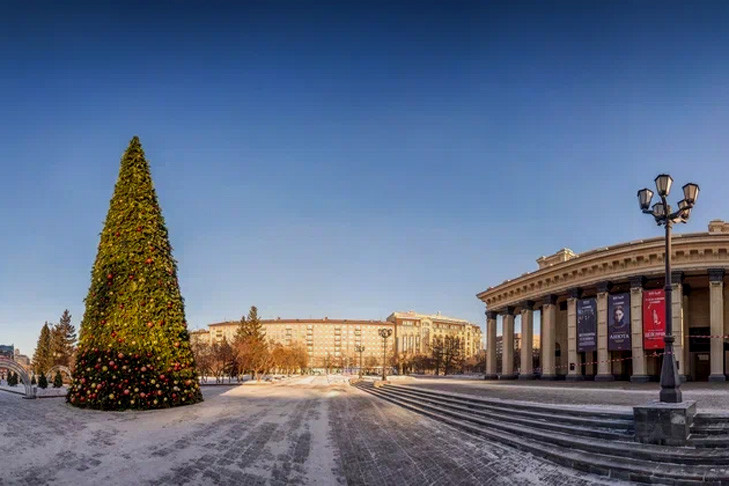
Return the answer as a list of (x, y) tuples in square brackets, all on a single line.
[(601, 313)]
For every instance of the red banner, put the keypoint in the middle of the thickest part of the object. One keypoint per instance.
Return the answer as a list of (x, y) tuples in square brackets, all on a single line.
[(654, 318)]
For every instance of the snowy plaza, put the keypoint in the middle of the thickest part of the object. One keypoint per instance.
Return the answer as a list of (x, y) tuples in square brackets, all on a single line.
[(307, 430)]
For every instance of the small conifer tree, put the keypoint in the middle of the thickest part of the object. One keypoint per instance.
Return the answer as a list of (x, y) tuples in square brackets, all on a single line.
[(134, 349), (42, 381), (250, 326), (57, 380), (63, 341), (43, 357), (33, 380)]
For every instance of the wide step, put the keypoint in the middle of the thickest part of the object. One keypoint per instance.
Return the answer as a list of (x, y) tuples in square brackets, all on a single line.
[(542, 423), (547, 416), (710, 430), (614, 458)]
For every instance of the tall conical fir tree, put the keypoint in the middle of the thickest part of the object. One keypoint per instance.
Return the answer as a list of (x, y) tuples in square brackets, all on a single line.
[(43, 356), (134, 349)]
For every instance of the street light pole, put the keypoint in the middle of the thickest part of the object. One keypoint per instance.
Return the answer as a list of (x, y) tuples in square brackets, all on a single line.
[(661, 212), (360, 350), (385, 333)]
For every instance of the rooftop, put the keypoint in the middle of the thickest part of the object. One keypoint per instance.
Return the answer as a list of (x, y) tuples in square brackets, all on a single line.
[(715, 227), (325, 320), (433, 317)]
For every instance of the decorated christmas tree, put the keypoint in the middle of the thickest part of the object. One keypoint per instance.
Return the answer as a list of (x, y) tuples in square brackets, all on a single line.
[(134, 349)]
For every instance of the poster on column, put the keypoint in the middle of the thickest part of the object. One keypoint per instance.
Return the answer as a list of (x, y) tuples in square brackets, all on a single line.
[(654, 318), (586, 325), (619, 322)]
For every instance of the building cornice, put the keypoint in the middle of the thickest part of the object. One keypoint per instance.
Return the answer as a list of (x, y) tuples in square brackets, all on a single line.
[(691, 253), (430, 317)]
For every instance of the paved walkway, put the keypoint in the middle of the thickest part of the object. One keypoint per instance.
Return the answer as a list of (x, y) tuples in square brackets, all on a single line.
[(712, 397), (306, 431)]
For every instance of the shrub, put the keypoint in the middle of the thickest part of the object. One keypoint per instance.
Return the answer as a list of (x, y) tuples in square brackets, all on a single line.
[(42, 381)]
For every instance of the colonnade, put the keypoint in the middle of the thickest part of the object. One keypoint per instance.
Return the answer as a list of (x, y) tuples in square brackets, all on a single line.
[(572, 367)]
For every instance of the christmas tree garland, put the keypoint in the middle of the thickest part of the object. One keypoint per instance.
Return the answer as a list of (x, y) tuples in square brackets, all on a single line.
[(134, 349)]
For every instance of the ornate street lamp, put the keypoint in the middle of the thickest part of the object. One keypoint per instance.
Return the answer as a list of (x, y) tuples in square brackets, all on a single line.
[(661, 212), (384, 333), (359, 349)]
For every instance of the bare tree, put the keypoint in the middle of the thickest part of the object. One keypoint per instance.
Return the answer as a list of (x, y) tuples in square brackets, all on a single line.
[(437, 349), (371, 363), (253, 354), (476, 363), (300, 358), (203, 358), (222, 360), (452, 354)]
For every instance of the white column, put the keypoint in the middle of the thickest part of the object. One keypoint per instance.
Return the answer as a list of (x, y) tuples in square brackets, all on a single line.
[(527, 341), (574, 360), (549, 325), (507, 341), (716, 320), (640, 363), (686, 319), (491, 346), (678, 324), (604, 368)]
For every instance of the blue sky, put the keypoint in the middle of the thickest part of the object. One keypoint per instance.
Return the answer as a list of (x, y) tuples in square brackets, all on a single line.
[(349, 159)]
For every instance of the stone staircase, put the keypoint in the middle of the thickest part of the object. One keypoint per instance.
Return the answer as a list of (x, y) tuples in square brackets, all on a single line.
[(710, 430), (589, 439)]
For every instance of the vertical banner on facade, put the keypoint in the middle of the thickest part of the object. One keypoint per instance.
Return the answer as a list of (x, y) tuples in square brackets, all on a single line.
[(619, 322), (586, 325), (654, 318)]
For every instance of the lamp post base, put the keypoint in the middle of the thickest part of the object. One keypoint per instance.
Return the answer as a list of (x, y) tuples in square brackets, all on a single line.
[(670, 395), (664, 423)]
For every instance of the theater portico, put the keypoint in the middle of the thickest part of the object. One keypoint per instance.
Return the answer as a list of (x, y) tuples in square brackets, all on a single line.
[(601, 312)]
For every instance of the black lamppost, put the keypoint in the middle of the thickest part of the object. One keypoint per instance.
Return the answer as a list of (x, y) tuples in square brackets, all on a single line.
[(360, 349), (661, 212), (384, 333)]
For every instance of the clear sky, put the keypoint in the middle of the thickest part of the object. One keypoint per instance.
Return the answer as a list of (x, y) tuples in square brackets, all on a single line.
[(349, 159)]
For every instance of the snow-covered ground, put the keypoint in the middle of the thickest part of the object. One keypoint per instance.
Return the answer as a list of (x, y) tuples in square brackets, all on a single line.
[(40, 392), (244, 379), (314, 430)]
